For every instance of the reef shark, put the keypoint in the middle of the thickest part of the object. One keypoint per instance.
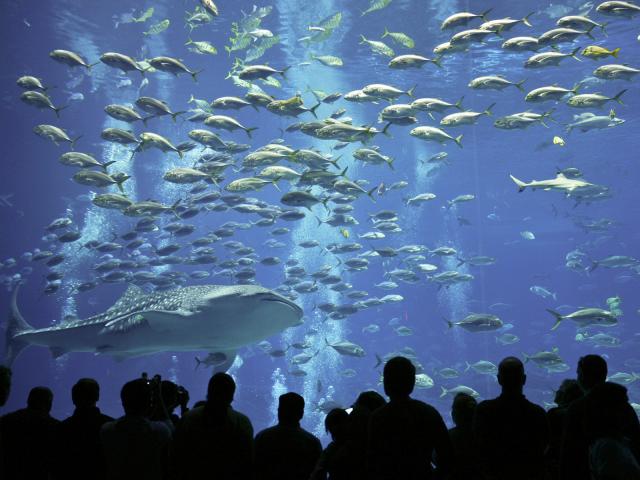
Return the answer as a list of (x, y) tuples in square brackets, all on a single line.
[(215, 318)]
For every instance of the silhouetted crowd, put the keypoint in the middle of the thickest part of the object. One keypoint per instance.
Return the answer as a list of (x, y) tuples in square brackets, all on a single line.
[(592, 434)]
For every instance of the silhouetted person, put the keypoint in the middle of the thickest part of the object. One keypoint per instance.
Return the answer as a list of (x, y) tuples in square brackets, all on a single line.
[(173, 397), (335, 462), (359, 418), (511, 433), (27, 438), (404, 433), (286, 451), (135, 447), (568, 392), (577, 438), (5, 389), (215, 440), (462, 413), (79, 451), (5, 384), (612, 455)]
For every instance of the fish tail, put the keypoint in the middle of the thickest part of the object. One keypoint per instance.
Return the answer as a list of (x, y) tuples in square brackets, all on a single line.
[(378, 361), (594, 265), (526, 357), (146, 119), (617, 97), (461, 261), (588, 32), (484, 14), (58, 110), (574, 53), (468, 366), (91, 65), (525, 20), (198, 362), (314, 108), (320, 222), (370, 193), (176, 114), (444, 392), (16, 325), (519, 84), (437, 61), (386, 32), (458, 104), (249, 130), (458, 140), (449, 323), (558, 317), (615, 51), (488, 110), (106, 164), (521, 185), (603, 27), (390, 163), (284, 72), (73, 142), (411, 90), (385, 130), (195, 74)]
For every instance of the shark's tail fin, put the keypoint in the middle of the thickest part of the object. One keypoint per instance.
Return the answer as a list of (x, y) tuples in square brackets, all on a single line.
[(558, 317), (15, 325), (521, 185)]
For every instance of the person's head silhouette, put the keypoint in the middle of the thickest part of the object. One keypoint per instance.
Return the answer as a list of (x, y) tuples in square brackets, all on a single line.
[(136, 397), (462, 410), (399, 378), (5, 384), (85, 393), (40, 400), (221, 389), (592, 371), (337, 424), (511, 376), (290, 408)]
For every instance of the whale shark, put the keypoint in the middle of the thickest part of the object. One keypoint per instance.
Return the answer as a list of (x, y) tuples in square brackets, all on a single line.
[(216, 318)]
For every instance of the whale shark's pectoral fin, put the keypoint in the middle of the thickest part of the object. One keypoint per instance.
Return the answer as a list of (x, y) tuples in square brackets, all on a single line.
[(158, 320), (124, 324)]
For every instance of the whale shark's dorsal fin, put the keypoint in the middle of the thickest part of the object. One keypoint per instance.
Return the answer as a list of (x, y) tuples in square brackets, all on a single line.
[(129, 296)]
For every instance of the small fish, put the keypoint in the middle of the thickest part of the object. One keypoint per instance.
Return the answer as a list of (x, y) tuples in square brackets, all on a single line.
[(345, 233), (527, 235), (558, 141), (158, 27)]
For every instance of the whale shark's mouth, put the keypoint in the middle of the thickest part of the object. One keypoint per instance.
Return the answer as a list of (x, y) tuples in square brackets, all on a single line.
[(289, 304)]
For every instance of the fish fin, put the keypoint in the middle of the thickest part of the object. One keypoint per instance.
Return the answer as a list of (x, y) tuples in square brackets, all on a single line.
[(458, 140), (488, 110), (468, 366), (519, 84), (617, 97), (16, 324), (249, 130), (521, 185), (614, 52), (411, 90), (58, 110), (444, 392), (73, 142), (131, 293), (588, 32), (175, 115), (558, 317), (313, 109), (574, 54), (437, 61), (106, 164), (525, 20), (386, 32), (194, 75), (484, 14)]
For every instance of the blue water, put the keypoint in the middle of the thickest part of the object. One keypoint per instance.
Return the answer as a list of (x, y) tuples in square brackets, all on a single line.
[(40, 190)]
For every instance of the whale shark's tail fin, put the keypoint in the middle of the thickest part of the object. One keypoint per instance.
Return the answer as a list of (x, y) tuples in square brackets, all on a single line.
[(16, 325)]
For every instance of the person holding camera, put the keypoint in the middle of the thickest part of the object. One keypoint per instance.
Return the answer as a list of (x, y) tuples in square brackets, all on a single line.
[(134, 446)]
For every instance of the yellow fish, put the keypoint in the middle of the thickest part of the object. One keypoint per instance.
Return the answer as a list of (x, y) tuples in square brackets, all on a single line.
[(345, 233), (595, 52), (558, 141)]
